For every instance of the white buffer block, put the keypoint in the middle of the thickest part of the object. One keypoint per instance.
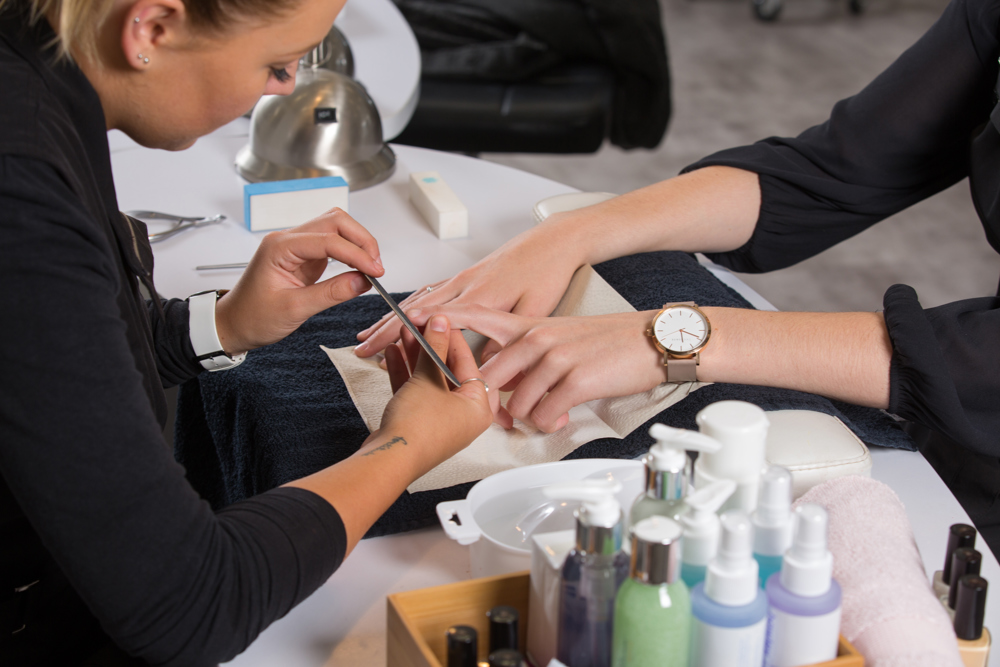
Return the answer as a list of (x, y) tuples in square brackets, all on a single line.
[(440, 207), (283, 204)]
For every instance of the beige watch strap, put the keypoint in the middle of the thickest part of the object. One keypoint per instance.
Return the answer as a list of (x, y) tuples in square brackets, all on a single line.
[(681, 370)]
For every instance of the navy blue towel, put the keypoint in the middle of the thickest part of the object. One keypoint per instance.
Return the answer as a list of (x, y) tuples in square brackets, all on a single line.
[(285, 412)]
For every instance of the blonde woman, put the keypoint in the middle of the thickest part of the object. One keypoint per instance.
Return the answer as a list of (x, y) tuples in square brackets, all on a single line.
[(108, 555)]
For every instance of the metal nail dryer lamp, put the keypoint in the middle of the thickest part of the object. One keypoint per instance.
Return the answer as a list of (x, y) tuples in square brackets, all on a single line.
[(327, 126)]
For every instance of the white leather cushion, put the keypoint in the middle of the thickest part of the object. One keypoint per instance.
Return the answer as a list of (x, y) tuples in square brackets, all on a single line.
[(815, 447), (568, 202)]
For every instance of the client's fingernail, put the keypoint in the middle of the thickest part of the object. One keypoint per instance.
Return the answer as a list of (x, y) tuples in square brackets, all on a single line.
[(361, 348), (359, 284), (439, 324)]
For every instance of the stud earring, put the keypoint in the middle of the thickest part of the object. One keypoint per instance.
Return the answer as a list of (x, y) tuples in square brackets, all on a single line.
[(136, 19), (144, 60)]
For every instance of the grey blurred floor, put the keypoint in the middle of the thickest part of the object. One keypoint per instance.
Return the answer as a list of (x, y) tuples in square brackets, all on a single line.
[(737, 80)]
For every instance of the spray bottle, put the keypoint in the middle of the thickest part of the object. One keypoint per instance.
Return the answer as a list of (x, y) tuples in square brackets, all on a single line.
[(742, 429), (701, 529), (591, 575), (668, 472), (804, 618), (772, 521), (729, 608)]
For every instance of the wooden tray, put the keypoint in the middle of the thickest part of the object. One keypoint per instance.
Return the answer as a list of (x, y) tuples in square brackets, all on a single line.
[(418, 620)]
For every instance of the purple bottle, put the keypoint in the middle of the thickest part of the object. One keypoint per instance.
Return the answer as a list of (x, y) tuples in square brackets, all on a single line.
[(594, 570), (804, 615)]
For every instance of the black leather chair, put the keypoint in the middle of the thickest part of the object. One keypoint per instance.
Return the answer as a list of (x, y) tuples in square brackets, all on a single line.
[(564, 110)]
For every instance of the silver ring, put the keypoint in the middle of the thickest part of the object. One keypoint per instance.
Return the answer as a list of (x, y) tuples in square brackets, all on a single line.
[(464, 382), (430, 288)]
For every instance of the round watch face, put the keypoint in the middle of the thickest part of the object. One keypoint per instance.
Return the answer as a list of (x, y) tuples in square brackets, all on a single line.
[(681, 329)]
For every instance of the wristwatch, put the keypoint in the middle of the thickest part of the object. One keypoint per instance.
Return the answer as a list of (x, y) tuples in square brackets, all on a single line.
[(680, 331), (204, 336)]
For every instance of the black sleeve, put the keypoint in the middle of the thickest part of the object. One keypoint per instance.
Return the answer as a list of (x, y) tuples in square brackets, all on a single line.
[(900, 140), (945, 371), (171, 581), (175, 358)]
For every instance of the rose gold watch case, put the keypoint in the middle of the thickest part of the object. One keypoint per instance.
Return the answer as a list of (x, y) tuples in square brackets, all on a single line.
[(686, 354)]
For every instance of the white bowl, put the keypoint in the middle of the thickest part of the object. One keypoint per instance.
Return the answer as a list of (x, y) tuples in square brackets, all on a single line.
[(501, 512)]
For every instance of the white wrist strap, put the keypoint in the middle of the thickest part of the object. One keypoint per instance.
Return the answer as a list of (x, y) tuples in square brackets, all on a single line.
[(208, 348)]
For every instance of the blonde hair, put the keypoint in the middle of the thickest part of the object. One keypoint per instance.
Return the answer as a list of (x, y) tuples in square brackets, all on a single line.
[(78, 22)]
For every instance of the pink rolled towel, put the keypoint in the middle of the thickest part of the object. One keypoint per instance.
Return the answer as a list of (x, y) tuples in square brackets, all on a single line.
[(890, 613)]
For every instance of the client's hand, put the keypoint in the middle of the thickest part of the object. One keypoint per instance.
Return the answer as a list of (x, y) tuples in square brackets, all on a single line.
[(278, 291), (423, 401), (526, 276), (553, 364)]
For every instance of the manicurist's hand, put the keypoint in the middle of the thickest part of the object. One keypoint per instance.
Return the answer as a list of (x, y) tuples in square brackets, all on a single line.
[(553, 364), (426, 422), (526, 276), (278, 291)]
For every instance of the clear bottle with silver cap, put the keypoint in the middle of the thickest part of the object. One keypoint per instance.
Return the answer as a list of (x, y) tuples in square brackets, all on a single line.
[(593, 571), (653, 610), (668, 472)]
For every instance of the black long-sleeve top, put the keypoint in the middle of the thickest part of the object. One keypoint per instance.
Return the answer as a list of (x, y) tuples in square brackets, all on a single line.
[(90, 493), (922, 125)]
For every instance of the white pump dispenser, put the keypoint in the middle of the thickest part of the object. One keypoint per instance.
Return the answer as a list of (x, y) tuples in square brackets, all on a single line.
[(600, 507), (808, 566), (701, 529), (731, 579), (668, 473), (742, 429)]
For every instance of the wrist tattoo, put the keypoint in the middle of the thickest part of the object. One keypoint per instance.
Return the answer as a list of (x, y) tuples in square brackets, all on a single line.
[(386, 445)]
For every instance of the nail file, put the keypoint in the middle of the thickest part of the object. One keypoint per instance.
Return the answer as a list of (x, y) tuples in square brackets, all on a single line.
[(439, 205), (416, 333)]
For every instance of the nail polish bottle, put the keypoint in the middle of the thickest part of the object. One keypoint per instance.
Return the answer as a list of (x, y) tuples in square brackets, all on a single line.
[(959, 535), (701, 529), (653, 608), (503, 628), (970, 609), (804, 615), (505, 658), (729, 607), (772, 521), (964, 561), (463, 646), (594, 570), (668, 472)]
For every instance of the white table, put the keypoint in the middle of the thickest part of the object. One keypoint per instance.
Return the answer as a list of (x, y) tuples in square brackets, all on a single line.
[(343, 623)]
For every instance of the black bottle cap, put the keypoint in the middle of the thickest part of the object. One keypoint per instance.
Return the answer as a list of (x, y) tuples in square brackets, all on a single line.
[(463, 646), (505, 658), (964, 561), (503, 628), (959, 535), (971, 607)]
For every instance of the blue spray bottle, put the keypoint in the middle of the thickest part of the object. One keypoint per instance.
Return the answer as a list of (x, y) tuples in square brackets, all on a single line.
[(594, 570), (772, 521)]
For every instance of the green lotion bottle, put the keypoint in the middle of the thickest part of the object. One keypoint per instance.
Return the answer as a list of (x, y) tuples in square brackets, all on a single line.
[(668, 472), (652, 625)]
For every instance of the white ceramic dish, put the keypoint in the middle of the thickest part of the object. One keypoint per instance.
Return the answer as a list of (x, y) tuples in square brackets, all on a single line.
[(499, 514)]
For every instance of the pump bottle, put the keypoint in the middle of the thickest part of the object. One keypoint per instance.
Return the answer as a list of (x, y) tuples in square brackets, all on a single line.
[(701, 529), (729, 607), (668, 473), (653, 609), (593, 571), (804, 616), (741, 428), (772, 521)]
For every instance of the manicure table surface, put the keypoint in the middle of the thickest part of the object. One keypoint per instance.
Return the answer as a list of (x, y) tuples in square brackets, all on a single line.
[(343, 623)]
